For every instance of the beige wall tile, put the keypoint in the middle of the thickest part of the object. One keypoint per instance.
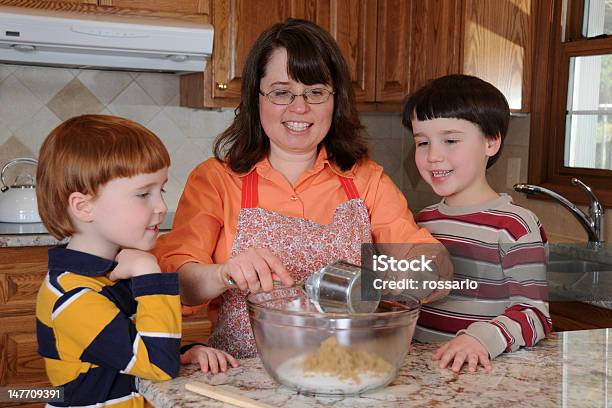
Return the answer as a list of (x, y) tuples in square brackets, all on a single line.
[(135, 104), (17, 103), (105, 85), (378, 126), (518, 131), (163, 88), (5, 133), (187, 156), (167, 131), (74, 99), (6, 70), (33, 133), (388, 153), (205, 145), (44, 82)]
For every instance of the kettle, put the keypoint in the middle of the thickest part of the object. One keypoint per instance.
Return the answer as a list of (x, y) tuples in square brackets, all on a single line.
[(18, 201)]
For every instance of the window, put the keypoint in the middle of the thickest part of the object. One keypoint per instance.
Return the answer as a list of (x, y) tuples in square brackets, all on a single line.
[(571, 121), (588, 117)]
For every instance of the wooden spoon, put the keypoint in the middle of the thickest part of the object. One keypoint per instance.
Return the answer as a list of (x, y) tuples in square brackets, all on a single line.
[(219, 394)]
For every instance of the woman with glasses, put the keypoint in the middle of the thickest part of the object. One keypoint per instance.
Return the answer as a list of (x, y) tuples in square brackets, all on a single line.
[(290, 190)]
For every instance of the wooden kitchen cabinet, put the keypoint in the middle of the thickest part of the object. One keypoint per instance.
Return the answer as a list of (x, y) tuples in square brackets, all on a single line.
[(237, 23), (190, 10), (177, 6), (362, 29), (436, 40), (492, 40), (22, 271), (392, 47), (72, 1), (498, 46), (568, 316)]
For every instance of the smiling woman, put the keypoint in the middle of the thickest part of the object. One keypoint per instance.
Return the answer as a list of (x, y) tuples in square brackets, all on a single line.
[(291, 188)]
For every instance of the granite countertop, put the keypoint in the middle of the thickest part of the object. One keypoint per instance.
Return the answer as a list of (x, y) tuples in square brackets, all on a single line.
[(35, 234), (568, 369)]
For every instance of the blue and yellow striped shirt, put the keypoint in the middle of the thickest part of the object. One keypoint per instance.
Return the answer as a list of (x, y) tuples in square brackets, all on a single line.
[(97, 335)]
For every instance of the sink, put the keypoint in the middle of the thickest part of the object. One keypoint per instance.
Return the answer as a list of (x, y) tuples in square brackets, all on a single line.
[(577, 266), (577, 279)]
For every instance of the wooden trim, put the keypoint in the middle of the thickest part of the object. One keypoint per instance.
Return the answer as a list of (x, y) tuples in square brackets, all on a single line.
[(15, 255), (579, 316), (573, 22), (549, 98), (547, 32)]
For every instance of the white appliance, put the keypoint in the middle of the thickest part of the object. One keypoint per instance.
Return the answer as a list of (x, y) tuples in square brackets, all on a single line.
[(57, 38), (18, 201)]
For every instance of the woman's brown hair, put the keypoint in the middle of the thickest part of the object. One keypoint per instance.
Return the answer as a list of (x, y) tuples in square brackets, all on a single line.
[(84, 153), (313, 57)]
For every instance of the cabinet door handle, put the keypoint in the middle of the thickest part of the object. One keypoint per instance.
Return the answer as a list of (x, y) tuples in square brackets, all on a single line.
[(221, 85)]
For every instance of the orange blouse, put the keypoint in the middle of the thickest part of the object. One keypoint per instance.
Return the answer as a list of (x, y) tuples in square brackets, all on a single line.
[(207, 215)]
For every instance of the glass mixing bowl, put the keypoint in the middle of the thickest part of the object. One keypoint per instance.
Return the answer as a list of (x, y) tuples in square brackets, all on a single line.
[(365, 351)]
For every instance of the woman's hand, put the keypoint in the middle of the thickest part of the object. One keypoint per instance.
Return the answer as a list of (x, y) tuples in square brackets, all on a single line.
[(255, 270), (463, 349), (208, 358)]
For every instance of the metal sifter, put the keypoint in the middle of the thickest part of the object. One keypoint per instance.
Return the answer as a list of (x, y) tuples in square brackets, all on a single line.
[(337, 288)]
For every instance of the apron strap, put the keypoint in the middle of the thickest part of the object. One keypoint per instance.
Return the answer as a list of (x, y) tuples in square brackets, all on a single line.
[(249, 189), (349, 187)]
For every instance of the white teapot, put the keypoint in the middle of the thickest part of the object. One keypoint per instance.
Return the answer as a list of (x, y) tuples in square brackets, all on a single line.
[(18, 201)]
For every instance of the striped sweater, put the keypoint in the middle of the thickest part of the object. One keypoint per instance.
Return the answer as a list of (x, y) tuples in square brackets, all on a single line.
[(502, 247), (97, 335)]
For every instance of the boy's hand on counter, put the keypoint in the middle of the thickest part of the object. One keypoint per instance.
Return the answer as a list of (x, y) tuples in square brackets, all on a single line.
[(209, 359), (133, 262), (463, 349)]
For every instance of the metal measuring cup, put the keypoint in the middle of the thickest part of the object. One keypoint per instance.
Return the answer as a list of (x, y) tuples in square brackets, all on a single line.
[(337, 288)]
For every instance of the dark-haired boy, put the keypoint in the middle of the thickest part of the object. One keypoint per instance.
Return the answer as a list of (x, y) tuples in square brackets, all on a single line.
[(459, 123)]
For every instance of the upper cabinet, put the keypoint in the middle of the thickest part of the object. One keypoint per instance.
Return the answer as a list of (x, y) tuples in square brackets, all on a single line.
[(363, 29), (353, 26), (492, 40), (498, 46), (436, 40), (190, 10), (237, 24), (392, 47)]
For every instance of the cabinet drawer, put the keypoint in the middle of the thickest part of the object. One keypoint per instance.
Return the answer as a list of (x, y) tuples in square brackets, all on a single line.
[(19, 359), (196, 329), (19, 286)]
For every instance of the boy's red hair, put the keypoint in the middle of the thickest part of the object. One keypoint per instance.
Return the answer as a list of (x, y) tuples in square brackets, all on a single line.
[(86, 152)]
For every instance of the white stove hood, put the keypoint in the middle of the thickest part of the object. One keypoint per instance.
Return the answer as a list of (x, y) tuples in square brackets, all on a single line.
[(43, 37)]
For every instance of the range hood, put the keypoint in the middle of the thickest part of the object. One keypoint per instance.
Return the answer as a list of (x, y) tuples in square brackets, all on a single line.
[(56, 38)]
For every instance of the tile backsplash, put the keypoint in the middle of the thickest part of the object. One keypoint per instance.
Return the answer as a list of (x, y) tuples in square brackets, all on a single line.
[(33, 100)]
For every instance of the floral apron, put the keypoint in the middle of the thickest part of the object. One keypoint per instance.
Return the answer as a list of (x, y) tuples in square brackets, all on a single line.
[(302, 245)]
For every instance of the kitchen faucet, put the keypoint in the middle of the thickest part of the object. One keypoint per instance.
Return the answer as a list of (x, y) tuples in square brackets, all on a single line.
[(592, 223)]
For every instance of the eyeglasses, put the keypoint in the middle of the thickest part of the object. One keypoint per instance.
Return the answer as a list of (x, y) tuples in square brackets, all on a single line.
[(311, 96)]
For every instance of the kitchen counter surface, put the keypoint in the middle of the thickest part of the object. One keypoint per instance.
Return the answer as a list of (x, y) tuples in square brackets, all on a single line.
[(35, 234), (568, 369)]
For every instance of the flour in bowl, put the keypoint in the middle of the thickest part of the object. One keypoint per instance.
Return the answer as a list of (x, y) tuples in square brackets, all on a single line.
[(336, 369)]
